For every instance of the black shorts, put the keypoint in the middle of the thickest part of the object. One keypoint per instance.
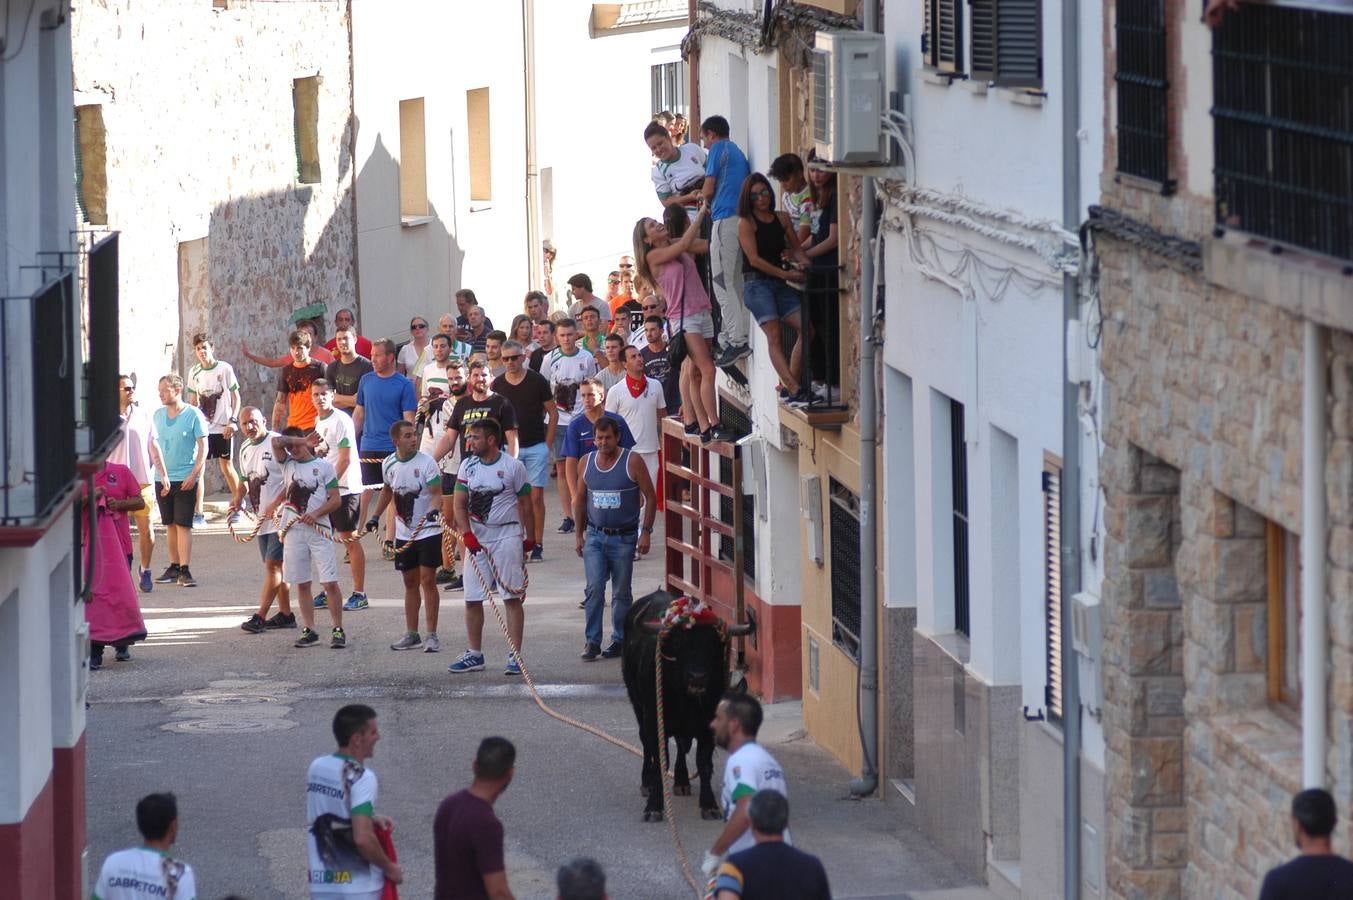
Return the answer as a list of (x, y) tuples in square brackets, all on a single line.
[(345, 517), (218, 446), (425, 552), (372, 475), (177, 507)]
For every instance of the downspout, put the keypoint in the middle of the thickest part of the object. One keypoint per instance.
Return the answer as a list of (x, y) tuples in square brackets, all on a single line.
[(868, 781), (534, 251), (693, 73), (1314, 640), (1071, 464)]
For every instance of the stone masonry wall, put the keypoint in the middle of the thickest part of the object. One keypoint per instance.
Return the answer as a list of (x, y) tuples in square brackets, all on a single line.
[(197, 104)]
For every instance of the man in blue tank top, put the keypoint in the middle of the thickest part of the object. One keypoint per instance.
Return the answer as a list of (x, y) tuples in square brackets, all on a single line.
[(616, 493)]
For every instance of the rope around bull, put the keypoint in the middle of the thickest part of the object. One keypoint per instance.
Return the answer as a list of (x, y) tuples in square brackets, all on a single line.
[(682, 858)]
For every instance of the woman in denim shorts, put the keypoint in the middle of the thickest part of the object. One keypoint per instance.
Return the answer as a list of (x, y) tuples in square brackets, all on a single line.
[(771, 260)]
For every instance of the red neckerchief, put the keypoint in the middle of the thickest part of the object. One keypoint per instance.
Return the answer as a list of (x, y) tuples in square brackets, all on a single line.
[(636, 387)]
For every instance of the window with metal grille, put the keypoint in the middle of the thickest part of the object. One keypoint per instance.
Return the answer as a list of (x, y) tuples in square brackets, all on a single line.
[(1282, 111), (1143, 133), (1005, 42), (942, 39), (959, 456), (1052, 592), (845, 556), (668, 87)]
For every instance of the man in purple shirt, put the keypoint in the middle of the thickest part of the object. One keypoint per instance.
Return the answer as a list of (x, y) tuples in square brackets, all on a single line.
[(467, 838)]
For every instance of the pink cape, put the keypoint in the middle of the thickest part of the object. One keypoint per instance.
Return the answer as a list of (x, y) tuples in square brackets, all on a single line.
[(113, 612)]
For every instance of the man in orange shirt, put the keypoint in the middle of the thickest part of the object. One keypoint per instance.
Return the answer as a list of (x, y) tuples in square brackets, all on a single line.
[(293, 405)]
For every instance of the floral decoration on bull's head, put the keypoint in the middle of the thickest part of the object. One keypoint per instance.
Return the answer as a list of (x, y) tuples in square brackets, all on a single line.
[(685, 612)]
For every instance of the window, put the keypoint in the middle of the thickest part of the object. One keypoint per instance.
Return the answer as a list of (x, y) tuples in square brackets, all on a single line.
[(959, 456), (305, 128), (91, 164), (481, 164), (845, 549), (1143, 134), (1284, 615), (1283, 125), (413, 169), (1052, 591), (668, 90), (1006, 46), (942, 39)]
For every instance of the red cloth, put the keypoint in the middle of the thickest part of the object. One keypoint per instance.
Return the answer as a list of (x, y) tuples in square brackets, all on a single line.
[(362, 346), (391, 891), (636, 387)]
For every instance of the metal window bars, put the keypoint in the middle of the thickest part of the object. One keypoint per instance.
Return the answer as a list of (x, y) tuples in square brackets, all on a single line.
[(1143, 127)]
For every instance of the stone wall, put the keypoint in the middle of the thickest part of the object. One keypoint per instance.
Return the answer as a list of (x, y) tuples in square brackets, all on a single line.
[(202, 172)]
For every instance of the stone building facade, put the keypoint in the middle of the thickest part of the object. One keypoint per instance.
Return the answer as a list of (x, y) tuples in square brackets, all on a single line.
[(233, 195), (1202, 355)]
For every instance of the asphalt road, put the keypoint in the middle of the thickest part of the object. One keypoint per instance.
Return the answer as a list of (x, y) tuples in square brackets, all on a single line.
[(230, 721)]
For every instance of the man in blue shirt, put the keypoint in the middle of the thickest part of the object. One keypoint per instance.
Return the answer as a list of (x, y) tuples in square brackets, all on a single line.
[(181, 433), (725, 170), (383, 397)]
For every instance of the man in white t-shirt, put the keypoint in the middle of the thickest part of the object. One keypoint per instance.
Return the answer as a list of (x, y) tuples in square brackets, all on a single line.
[(139, 451), (213, 389), (340, 809), (148, 871), (261, 484), (413, 482), (640, 401), (440, 410), (679, 173), (311, 494), (435, 375), (494, 516), (748, 769), (339, 447), (567, 367)]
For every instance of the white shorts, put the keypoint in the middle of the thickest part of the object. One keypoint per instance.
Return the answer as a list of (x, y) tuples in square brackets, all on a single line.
[(651, 461), (508, 560), (303, 546)]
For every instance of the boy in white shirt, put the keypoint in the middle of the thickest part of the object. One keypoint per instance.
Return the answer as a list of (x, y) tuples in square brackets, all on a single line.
[(149, 870)]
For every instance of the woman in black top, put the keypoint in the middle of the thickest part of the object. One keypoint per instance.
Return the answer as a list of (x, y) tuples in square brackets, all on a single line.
[(771, 262)]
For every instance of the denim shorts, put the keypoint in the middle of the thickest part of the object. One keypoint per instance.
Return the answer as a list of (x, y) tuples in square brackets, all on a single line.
[(769, 299), (701, 323), (536, 459), (269, 547)]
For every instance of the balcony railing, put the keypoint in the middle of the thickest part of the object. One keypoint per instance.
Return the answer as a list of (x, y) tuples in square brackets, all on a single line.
[(820, 308), (37, 429), (1283, 126)]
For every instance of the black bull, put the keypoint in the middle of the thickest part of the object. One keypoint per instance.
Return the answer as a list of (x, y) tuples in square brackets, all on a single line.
[(695, 670)]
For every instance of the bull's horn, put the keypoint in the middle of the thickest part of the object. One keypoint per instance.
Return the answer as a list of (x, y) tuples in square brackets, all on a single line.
[(741, 630)]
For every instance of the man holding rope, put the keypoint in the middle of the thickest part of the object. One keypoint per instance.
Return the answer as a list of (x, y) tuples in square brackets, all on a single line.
[(414, 482), (311, 494), (494, 516), (339, 446), (260, 481)]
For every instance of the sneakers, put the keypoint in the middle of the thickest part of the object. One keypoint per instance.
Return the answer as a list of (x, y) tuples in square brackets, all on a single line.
[(255, 625), (612, 651), (199, 520), (338, 640), (732, 354), (321, 600), (470, 661), (513, 667), (124, 654), (308, 638), (590, 652), (186, 578), (445, 575), (356, 600), (566, 526), (235, 518), (281, 620), (692, 428), (455, 584), (95, 662), (537, 554), (433, 644), (147, 583), (407, 642), (170, 575), (716, 434)]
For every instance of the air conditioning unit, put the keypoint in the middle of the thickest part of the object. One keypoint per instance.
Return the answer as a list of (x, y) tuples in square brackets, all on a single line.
[(848, 70)]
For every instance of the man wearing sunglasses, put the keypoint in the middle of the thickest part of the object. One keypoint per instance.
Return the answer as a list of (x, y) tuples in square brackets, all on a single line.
[(537, 423), (139, 452)]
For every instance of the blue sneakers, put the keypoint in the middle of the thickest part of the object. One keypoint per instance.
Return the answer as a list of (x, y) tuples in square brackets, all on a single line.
[(147, 583), (321, 600), (470, 661), (356, 601), (513, 667)]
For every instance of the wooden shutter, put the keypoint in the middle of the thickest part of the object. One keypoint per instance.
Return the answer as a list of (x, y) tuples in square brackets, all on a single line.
[(982, 37), (1019, 45), (928, 34), (1052, 564), (949, 35)]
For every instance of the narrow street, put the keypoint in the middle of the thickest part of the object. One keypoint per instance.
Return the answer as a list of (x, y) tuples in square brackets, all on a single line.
[(229, 722)]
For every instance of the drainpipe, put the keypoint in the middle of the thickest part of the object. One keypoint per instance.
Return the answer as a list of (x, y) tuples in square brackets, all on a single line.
[(534, 253), (1314, 640), (693, 73), (1071, 465), (868, 781)]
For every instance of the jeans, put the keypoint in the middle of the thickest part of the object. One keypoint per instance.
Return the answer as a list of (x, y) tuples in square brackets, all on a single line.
[(608, 555)]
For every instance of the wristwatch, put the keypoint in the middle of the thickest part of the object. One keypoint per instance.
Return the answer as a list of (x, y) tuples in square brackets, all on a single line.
[(648, 530)]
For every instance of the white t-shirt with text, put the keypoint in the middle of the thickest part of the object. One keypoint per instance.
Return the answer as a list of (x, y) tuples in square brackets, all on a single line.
[(339, 786), (408, 479), (745, 772), (209, 390), (140, 873), (339, 433)]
